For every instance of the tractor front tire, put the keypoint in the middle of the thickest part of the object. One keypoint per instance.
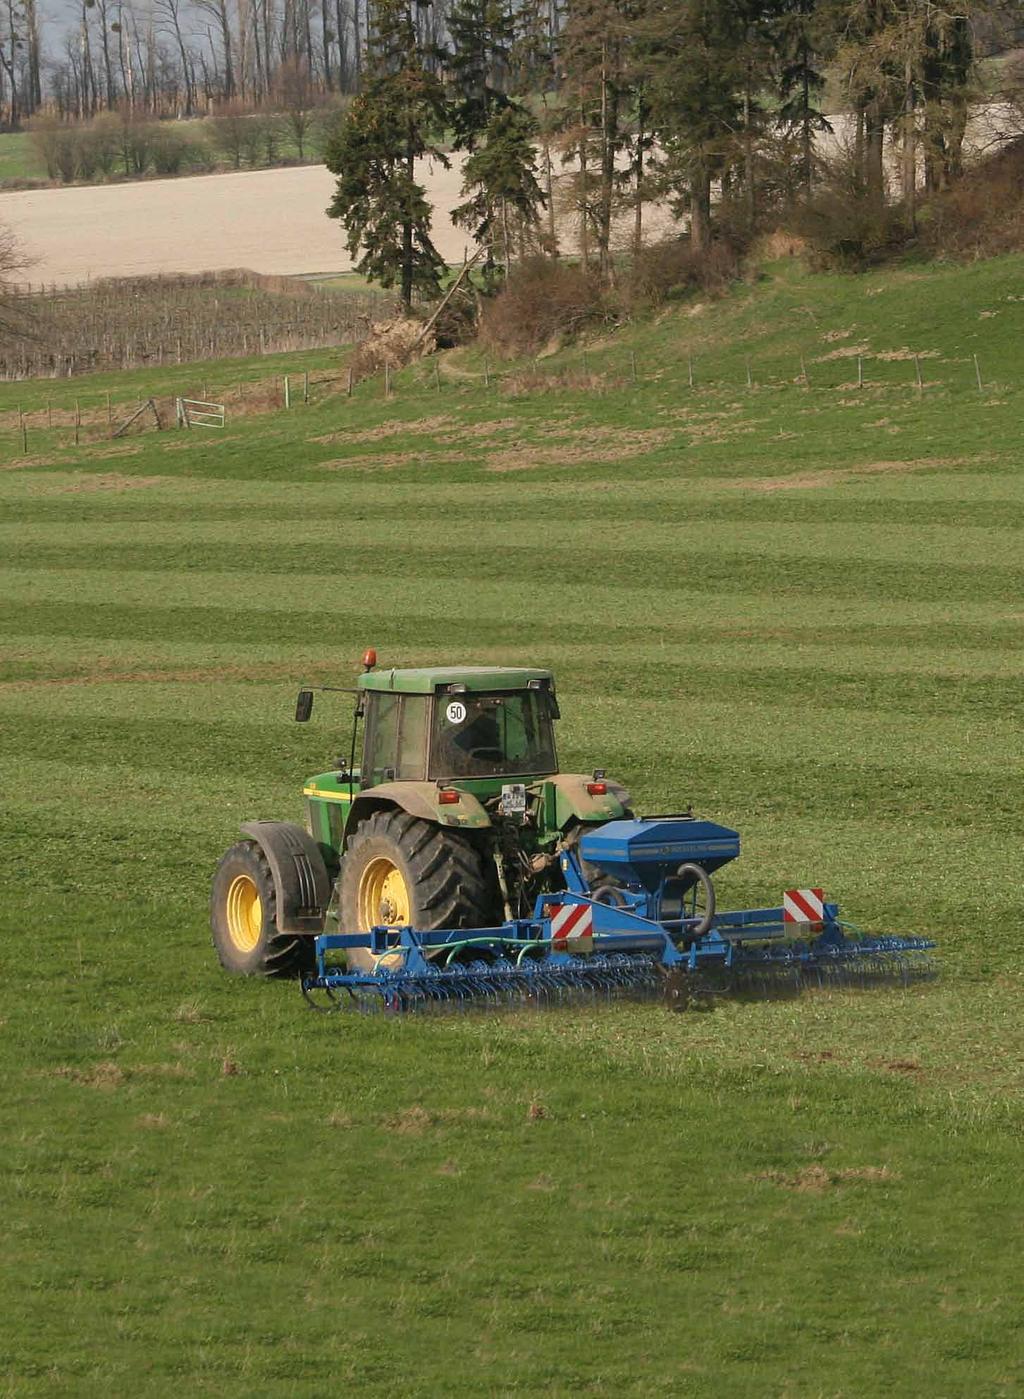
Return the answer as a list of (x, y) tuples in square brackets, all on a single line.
[(399, 870), (243, 917)]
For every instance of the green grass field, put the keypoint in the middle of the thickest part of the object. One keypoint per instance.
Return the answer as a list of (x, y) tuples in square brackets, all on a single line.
[(20, 160), (796, 605)]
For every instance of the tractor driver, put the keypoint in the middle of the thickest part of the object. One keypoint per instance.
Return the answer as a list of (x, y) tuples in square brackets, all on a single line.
[(480, 737)]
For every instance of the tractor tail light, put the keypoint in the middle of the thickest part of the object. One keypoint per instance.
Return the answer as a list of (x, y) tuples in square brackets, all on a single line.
[(447, 796), (597, 789)]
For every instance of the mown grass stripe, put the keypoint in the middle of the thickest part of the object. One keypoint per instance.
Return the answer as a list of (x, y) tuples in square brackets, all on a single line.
[(215, 542), (781, 509), (785, 575)]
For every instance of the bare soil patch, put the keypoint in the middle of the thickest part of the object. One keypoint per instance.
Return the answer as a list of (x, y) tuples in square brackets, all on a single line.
[(389, 461), (89, 482), (106, 1075), (816, 1180), (816, 480), (591, 444), (415, 1120), (418, 427), (27, 462)]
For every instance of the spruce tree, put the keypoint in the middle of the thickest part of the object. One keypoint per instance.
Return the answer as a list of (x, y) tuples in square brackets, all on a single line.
[(482, 34), (801, 42), (373, 152), (500, 178), (694, 53), (502, 196)]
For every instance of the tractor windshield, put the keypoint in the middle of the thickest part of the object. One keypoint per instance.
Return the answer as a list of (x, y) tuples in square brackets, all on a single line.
[(497, 735)]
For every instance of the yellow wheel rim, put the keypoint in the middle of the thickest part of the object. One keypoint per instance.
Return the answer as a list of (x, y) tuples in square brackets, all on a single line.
[(244, 912), (383, 895)]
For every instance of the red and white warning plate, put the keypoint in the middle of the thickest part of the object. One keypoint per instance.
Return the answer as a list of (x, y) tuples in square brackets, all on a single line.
[(572, 928), (803, 906)]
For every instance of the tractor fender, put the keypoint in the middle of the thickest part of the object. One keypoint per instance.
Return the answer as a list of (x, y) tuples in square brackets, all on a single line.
[(418, 799), (300, 875), (574, 802)]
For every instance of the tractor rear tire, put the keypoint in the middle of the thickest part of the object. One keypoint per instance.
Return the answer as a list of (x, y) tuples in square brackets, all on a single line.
[(243, 918), (399, 869)]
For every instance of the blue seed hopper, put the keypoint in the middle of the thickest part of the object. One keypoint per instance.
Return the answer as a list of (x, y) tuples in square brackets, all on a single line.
[(637, 916)]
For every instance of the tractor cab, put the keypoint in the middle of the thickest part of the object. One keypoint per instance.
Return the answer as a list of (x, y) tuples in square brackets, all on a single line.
[(440, 726)]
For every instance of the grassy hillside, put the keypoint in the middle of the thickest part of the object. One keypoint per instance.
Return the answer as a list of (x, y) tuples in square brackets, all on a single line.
[(796, 605)]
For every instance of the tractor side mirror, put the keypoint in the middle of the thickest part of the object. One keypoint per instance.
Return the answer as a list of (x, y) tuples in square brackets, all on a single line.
[(303, 706)]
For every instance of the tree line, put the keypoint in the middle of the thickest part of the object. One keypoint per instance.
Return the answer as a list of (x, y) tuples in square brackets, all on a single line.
[(178, 57), (634, 100)]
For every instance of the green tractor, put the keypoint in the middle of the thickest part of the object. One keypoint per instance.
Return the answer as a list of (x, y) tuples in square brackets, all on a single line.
[(455, 818)]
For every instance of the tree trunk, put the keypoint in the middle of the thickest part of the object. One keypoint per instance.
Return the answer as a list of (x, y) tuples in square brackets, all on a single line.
[(584, 191), (609, 134), (909, 172), (806, 136), (638, 175), (874, 134), (407, 229), (700, 207), (748, 154)]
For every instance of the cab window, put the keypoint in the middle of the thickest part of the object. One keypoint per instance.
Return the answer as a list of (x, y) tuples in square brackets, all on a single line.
[(492, 735)]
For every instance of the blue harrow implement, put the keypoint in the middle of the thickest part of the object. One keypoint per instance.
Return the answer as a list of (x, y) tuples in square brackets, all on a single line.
[(637, 917)]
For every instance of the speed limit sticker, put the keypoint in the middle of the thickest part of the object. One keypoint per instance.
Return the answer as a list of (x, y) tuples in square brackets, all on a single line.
[(456, 712)]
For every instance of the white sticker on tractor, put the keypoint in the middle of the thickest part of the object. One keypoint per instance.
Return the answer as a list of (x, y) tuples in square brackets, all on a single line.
[(456, 712)]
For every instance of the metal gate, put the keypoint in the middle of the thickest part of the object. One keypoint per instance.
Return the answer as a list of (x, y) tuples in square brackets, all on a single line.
[(193, 412)]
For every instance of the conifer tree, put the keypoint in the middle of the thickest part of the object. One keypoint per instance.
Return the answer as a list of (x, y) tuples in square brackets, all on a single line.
[(801, 42), (500, 178), (694, 56), (503, 197), (482, 34), (373, 152)]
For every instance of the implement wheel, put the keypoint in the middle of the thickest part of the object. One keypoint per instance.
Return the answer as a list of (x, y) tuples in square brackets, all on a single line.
[(399, 870), (243, 917)]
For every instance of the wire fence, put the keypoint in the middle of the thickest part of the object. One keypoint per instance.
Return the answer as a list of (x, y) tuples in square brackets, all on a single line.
[(684, 378)]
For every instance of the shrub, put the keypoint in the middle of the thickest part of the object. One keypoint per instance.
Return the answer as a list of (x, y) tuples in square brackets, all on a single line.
[(669, 270), (102, 139), (136, 136), (541, 301), (847, 227), (983, 214), (170, 150), (57, 145)]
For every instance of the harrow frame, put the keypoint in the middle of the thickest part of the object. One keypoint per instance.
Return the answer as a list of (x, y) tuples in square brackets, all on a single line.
[(522, 961)]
